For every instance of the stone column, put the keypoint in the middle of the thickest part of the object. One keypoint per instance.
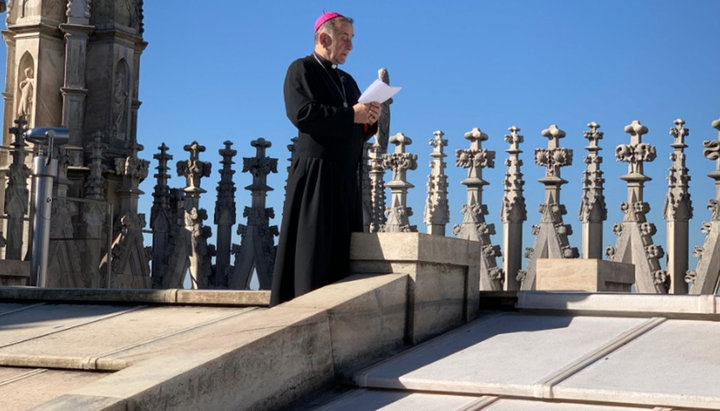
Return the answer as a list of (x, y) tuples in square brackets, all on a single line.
[(678, 211), (74, 90), (513, 211), (437, 211), (161, 221), (473, 226), (551, 235), (17, 195), (257, 247), (194, 170), (399, 162), (592, 207), (225, 215), (706, 276), (635, 244), (93, 215)]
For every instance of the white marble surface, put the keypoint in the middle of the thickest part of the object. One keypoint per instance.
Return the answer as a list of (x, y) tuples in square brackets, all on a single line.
[(678, 362), (507, 404), (502, 354), (369, 400)]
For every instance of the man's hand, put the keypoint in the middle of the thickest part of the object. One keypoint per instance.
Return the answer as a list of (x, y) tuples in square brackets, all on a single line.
[(367, 113)]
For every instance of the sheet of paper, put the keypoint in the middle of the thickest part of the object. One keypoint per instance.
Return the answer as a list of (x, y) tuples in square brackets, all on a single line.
[(378, 92)]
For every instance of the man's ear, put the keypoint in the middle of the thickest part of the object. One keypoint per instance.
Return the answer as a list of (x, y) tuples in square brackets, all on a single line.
[(325, 39)]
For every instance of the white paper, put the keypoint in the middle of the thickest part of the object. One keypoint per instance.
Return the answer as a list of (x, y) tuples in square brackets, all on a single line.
[(378, 92)]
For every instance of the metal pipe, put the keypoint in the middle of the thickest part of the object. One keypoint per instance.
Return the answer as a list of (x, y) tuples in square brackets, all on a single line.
[(44, 173)]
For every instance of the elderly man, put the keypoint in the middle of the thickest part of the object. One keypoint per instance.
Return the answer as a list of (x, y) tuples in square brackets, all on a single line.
[(322, 201)]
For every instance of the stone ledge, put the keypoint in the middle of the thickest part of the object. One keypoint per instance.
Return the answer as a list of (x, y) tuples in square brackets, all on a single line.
[(137, 296), (671, 306), (264, 361), (444, 273)]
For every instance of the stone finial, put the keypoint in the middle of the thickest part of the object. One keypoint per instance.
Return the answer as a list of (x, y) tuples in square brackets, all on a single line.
[(193, 169), (551, 235), (678, 206), (593, 210), (225, 205), (474, 210), (399, 162), (553, 157), (437, 211), (513, 212), (705, 279), (635, 243), (635, 153), (225, 216), (593, 207), (513, 205), (259, 166), (711, 151), (257, 249)]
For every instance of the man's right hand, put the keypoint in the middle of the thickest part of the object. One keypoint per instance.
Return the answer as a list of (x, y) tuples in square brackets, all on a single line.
[(366, 113)]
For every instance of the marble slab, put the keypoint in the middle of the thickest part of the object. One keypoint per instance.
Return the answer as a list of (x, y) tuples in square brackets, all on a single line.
[(50, 318), (119, 333), (369, 400), (36, 386), (505, 353), (508, 404), (675, 364)]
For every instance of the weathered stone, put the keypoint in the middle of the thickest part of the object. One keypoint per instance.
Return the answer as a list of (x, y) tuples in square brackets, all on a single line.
[(635, 244), (705, 279), (444, 276), (584, 275), (399, 162), (437, 211), (257, 247), (513, 212), (551, 235), (593, 210), (474, 210)]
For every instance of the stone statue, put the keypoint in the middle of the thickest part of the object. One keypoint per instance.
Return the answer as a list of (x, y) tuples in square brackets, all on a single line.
[(26, 88)]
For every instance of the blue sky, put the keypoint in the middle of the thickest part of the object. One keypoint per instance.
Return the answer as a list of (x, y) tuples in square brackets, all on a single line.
[(214, 72)]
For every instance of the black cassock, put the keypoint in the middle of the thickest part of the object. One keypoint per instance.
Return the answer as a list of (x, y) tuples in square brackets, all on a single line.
[(323, 203)]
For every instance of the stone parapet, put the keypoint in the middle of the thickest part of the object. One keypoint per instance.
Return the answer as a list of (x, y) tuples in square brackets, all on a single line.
[(562, 274), (444, 276)]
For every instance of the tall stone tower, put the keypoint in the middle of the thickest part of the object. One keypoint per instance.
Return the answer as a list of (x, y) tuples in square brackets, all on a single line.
[(75, 64)]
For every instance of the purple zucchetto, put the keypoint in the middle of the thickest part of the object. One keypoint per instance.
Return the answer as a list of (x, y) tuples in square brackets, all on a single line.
[(325, 17)]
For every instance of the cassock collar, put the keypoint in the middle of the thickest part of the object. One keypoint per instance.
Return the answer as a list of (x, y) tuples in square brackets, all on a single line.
[(325, 62)]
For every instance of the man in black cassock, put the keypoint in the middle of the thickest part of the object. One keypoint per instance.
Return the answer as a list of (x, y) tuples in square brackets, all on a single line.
[(323, 203)]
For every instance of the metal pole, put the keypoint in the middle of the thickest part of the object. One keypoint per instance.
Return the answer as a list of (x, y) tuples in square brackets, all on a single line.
[(44, 173)]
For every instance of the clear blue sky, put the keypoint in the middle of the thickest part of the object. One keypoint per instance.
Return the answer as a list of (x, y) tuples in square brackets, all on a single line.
[(213, 71)]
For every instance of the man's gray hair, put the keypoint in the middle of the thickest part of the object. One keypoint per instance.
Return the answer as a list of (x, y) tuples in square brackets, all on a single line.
[(332, 26)]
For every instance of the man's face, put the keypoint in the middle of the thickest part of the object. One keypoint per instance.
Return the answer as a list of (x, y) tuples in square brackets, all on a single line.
[(340, 43)]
